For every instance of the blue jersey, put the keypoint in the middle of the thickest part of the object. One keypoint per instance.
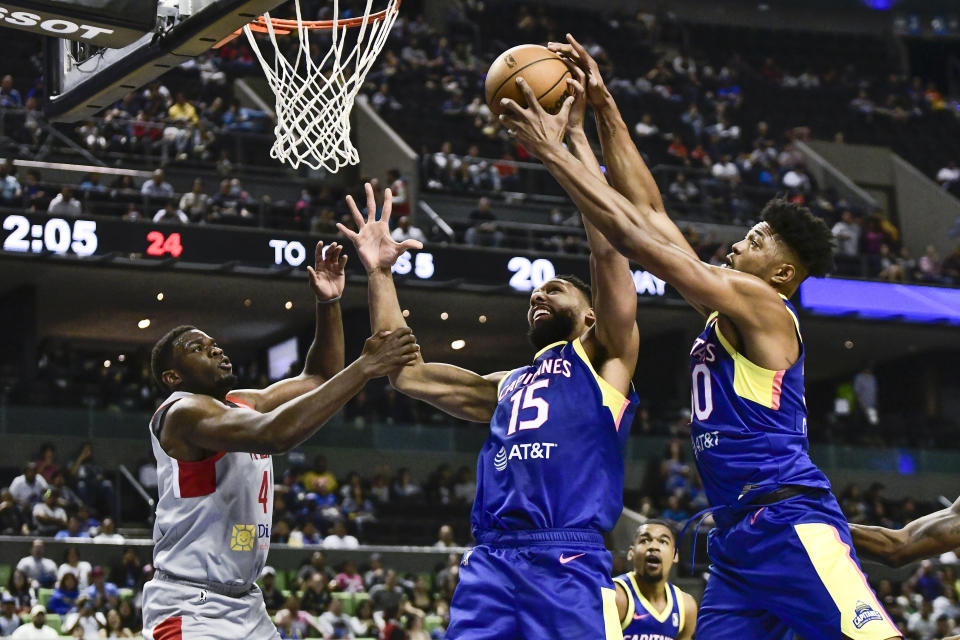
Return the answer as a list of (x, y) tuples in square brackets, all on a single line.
[(554, 457), (748, 424), (642, 621)]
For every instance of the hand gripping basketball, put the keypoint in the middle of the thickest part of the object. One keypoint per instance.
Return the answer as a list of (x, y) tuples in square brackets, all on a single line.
[(536, 129), (576, 57)]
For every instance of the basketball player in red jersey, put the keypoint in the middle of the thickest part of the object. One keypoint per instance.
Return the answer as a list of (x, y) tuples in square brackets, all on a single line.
[(215, 474)]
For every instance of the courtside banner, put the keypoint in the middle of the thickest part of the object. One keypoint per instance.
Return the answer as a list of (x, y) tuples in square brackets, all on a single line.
[(104, 23)]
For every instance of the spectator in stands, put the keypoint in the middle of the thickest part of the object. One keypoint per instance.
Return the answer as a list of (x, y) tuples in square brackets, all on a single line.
[(421, 597), (363, 623), (64, 204), (195, 203), (339, 538), (115, 627), (404, 488), (315, 595), (392, 628), (334, 623), (12, 520), (465, 486), (103, 595), (126, 574), (64, 597), (9, 620), (230, 203), (922, 624), (86, 617), (73, 529), (10, 192), (319, 476), (949, 175), (682, 190), (317, 564), (28, 487), (376, 573), (37, 628), (675, 511), (796, 179), (401, 198), (349, 580), (358, 508), (183, 112), (73, 564), (929, 265), (386, 596), (725, 169), (171, 214), (69, 500), (39, 569), (483, 175), (157, 186), (285, 627), (445, 537), (950, 268), (21, 588), (865, 388), (95, 489), (382, 100), (49, 516), (846, 231), (645, 128), (108, 533), (9, 97), (483, 230), (272, 596), (406, 231)]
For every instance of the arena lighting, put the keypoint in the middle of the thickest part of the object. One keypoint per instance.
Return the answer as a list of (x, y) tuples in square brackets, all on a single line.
[(247, 302), (106, 364), (482, 319), (456, 345), (406, 313), (444, 315), (143, 324), (288, 305), (848, 344), (881, 300), (160, 297), (121, 358)]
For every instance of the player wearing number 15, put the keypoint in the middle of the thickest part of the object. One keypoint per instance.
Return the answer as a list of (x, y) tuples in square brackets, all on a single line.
[(550, 475), (773, 508), (213, 447)]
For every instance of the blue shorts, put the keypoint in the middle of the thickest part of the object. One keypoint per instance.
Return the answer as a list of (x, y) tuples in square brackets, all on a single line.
[(785, 569), (535, 584)]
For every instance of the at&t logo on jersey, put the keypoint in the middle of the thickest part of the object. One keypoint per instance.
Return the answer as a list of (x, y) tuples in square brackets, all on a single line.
[(526, 451), (244, 536), (864, 613)]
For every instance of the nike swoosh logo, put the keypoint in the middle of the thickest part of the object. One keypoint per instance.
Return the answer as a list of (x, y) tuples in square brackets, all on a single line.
[(636, 617), (564, 560)]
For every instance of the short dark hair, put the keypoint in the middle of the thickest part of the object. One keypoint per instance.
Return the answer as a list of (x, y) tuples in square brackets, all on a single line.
[(162, 354), (670, 525), (807, 235), (579, 284)]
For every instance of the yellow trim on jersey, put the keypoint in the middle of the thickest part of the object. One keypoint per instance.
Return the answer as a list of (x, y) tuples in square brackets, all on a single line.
[(612, 398), (844, 581), (660, 616), (628, 616), (548, 347), (611, 624), (710, 318), (502, 380), (681, 605), (750, 380)]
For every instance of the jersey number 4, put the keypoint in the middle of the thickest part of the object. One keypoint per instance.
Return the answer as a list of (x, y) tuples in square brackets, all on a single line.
[(525, 399), (264, 491)]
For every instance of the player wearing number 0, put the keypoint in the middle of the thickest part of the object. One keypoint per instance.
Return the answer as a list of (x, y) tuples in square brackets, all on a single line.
[(773, 508), (550, 475), (650, 607), (213, 447)]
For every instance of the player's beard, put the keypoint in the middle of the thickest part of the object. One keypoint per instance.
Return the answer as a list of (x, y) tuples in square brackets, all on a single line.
[(556, 328)]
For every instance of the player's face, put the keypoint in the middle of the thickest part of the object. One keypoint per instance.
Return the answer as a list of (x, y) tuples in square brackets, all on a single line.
[(558, 311), (652, 552), (202, 364), (758, 253)]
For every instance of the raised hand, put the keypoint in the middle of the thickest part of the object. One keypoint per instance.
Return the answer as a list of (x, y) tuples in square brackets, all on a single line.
[(377, 250), (579, 109), (327, 276), (386, 350), (536, 129), (574, 54)]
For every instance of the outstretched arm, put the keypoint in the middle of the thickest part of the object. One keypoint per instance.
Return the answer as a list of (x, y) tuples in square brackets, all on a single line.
[(613, 341), (325, 358), (746, 299), (454, 390), (928, 536)]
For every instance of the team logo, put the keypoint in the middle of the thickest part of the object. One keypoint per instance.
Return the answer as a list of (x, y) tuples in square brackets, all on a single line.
[(500, 460), (676, 620), (864, 613), (243, 537)]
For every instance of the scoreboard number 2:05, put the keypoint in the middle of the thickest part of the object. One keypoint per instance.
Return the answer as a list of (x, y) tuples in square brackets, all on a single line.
[(56, 235)]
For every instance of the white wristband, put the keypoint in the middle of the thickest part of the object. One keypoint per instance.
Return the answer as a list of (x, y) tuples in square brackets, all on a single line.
[(330, 301)]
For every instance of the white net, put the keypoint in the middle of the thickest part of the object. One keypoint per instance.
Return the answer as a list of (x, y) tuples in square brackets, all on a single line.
[(314, 97)]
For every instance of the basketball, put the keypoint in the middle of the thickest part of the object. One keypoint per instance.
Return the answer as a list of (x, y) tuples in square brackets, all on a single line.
[(541, 68)]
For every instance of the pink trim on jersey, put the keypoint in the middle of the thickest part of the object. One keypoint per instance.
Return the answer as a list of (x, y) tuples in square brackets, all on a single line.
[(236, 400), (198, 478), (623, 409), (777, 387), (169, 629)]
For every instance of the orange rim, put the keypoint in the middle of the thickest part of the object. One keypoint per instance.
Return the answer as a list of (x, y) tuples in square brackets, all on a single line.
[(283, 26)]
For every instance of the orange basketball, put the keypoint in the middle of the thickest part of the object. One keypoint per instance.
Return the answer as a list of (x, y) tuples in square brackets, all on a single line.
[(541, 69)]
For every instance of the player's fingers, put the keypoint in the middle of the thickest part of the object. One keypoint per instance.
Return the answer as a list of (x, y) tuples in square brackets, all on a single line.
[(313, 274), (411, 244), (318, 252), (561, 48), (564, 113), (350, 233), (333, 253), (575, 87), (387, 205), (355, 212), (582, 53), (528, 93), (342, 262), (371, 203), (510, 106)]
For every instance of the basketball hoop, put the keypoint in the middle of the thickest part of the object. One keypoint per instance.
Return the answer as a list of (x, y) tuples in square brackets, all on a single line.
[(314, 99)]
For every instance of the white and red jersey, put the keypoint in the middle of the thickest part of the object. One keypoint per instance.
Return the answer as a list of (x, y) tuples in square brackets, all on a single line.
[(214, 515)]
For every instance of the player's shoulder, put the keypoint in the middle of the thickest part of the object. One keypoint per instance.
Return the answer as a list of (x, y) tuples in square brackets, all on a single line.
[(687, 601)]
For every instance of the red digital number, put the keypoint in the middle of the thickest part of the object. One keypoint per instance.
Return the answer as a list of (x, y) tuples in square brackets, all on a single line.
[(264, 492), (160, 244)]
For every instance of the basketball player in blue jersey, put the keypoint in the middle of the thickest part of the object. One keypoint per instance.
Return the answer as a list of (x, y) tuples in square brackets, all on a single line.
[(215, 473), (550, 475), (650, 607), (773, 508)]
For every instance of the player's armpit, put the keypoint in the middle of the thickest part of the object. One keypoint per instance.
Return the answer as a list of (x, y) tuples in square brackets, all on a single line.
[(689, 617), (456, 391)]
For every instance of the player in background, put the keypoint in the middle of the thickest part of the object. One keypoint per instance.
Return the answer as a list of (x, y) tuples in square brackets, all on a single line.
[(648, 604), (213, 448), (550, 475), (774, 511), (930, 535)]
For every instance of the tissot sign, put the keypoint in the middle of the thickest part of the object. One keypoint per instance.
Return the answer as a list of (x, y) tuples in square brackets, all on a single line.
[(104, 23)]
